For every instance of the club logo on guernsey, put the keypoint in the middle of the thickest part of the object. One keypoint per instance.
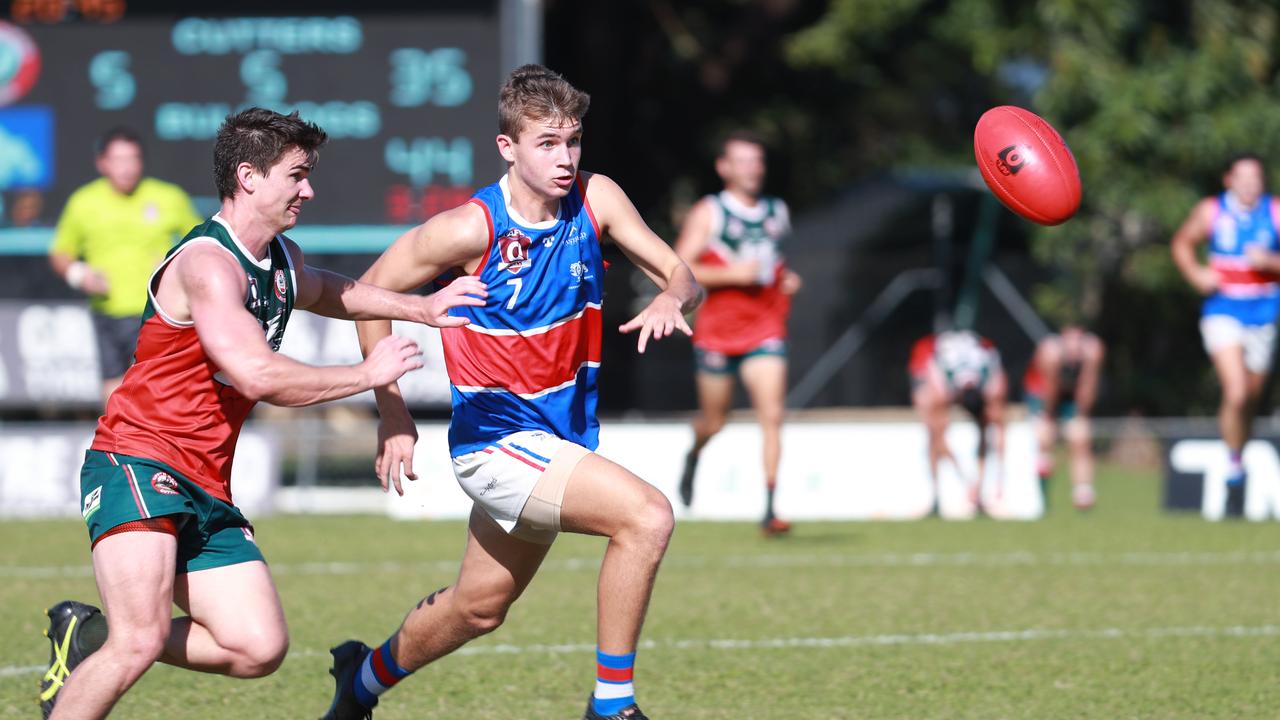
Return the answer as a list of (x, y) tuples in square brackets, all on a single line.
[(513, 247), (281, 286), (164, 483), (579, 272)]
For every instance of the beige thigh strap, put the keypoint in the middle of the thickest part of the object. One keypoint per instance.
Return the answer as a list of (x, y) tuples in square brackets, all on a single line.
[(540, 518)]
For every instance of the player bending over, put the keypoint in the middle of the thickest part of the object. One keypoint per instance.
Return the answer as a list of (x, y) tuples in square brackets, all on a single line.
[(959, 367), (1061, 385)]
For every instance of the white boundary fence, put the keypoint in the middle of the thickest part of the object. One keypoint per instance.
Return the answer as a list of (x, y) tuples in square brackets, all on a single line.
[(865, 469), (836, 471)]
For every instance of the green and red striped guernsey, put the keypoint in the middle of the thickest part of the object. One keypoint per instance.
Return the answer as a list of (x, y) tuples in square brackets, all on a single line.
[(174, 405)]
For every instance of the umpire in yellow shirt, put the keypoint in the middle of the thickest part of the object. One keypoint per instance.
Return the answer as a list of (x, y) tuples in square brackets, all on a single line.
[(112, 234)]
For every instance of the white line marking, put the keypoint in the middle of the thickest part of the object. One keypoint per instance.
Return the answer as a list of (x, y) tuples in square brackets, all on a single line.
[(920, 559), (887, 640)]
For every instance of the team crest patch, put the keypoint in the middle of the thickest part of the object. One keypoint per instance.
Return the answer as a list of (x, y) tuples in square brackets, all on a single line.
[(164, 483), (513, 248), (281, 286)]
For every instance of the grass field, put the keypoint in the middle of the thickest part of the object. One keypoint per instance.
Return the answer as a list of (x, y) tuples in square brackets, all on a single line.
[(1122, 613)]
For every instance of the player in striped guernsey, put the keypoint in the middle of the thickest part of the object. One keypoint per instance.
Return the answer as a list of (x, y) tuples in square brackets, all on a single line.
[(524, 397), (1242, 293), (157, 482), (960, 367), (733, 241)]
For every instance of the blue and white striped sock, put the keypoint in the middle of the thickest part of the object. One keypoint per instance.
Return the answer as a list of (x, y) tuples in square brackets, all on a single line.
[(378, 673), (614, 687)]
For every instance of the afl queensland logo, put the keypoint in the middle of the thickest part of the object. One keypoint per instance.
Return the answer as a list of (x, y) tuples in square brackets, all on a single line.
[(19, 63), (164, 483), (282, 287), (513, 247)]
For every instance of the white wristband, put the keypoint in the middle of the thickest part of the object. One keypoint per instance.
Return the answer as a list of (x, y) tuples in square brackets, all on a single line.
[(75, 274)]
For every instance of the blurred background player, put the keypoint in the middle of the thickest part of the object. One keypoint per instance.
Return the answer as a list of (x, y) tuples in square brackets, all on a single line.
[(1239, 313), (111, 235), (1061, 385), (959, 367), (156, 483), (732, 241), (523, 374)]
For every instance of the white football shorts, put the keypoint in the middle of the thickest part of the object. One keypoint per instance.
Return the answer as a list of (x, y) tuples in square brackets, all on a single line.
[(1258, 341), (520, 481)]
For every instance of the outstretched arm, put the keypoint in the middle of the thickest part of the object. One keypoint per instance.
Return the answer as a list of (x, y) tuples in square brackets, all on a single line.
[(337, 296), (680, 292), (205, 283)]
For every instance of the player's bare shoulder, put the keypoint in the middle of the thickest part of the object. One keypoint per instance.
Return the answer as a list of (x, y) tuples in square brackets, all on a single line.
[(1198, 224), (695, 229), (206, 265), (1094, 348), (600, 186), (605, 196), (458, 235), (1205, 211), (200, 270)]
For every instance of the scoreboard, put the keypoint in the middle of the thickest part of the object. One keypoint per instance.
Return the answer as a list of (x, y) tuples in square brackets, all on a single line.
[(408, 97)]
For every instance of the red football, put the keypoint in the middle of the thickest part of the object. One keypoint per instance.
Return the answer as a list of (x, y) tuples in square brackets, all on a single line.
[(1027, 165)]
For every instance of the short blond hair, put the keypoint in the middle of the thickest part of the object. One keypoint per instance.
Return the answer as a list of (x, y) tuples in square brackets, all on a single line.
[(532, 92)]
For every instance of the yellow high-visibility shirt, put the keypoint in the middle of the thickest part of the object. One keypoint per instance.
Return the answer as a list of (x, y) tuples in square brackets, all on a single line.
[(123, 237)]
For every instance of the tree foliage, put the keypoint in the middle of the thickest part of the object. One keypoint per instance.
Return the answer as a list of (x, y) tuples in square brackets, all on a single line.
[(1151, 95)]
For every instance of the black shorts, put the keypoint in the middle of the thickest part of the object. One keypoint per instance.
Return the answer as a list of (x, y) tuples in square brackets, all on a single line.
[(117, 338)]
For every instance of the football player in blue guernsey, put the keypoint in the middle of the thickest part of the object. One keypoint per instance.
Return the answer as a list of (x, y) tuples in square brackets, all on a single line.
[(1241, 283), (523, 372)]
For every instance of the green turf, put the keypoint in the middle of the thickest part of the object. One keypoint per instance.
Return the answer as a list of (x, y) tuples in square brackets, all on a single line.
[(1122, 613)]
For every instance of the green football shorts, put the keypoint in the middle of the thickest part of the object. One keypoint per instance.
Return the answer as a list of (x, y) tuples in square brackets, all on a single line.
[(117, 489)]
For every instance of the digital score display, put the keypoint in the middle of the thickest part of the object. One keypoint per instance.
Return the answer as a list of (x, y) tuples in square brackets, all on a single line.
[(409, 100)]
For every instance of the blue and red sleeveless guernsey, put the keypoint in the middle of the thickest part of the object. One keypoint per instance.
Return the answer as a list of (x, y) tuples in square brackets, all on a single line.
[(174, 405), (529, 358), (1245, 293)]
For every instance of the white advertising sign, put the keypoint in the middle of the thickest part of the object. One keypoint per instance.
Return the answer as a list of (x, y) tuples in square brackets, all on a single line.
[(40, 470), (830, 471)]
